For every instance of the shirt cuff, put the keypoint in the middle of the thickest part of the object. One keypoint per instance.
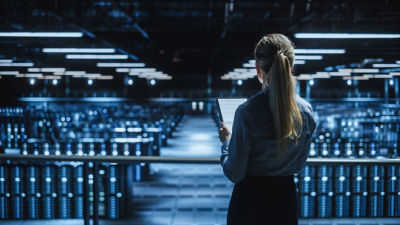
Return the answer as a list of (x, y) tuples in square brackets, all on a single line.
[(225, 147)]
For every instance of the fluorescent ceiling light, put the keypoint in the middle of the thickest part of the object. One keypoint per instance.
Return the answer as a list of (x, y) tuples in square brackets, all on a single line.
[(380, 65), (122, 70), (234, 78), (121, 65), (104, 77), (344, 35), (159, 77), (11, 73), (41, 34), (299, 62), (241, 70), (383, 76), (249, 65), (79, 56), (339, 73), (32, 75), (74, 73), (5, 60), (304, 77), (394, 73), (398, 62), (365, 71), (50, 77), (309, 57), (16, 64), (50, 70), (78, 50), (319, 51)]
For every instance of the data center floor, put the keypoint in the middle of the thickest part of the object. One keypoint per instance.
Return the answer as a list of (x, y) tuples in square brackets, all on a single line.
[(191, 194)]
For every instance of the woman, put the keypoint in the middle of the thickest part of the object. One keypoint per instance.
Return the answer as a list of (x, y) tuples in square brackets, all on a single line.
[(270, 141)]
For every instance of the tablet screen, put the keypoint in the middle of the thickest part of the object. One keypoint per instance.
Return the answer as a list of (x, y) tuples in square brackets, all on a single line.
[(227, 108)]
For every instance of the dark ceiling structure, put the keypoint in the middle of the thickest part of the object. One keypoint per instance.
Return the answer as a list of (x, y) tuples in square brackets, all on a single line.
[(198, 41)]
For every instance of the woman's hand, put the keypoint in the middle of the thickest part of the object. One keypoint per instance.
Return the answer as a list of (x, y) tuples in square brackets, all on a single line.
[(224, 133)]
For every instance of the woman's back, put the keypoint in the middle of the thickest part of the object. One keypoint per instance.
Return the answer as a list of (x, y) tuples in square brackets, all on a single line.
[(264, 158)]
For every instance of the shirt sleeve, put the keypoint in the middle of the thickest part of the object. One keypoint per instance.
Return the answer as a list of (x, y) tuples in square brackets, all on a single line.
[(235, 152), (311, 125)]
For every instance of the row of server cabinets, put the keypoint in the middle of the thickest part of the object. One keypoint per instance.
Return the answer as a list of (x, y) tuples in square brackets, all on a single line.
[(349, 191), (46, 190), (351, 130)]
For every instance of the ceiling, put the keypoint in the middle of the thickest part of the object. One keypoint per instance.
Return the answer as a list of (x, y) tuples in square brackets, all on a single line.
[(197, 41)]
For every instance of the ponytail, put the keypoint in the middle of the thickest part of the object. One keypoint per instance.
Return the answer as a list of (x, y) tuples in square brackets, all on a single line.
[(282, 89)]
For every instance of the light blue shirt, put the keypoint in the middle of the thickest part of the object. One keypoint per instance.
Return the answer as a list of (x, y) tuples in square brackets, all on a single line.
[(251, 149)]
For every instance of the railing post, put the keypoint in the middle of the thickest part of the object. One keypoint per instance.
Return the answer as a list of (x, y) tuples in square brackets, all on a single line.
[(86, 206), (95, 193)]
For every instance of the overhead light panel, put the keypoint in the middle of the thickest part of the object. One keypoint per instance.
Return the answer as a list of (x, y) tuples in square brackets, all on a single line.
[(48, 69), (345, 35), (380, 65), (42, 34), (92, 56), (309, 57), (5, 60), (78, 50), (13, 64), (121, 65), (299, 62), (11, 73), (365, 71), (319, 51)]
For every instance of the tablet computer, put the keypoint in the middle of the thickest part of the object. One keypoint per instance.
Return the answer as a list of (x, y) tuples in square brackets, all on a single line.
[(226, 109)]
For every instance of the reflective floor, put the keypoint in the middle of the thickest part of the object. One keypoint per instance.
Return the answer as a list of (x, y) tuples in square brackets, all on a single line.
[(191, 194)]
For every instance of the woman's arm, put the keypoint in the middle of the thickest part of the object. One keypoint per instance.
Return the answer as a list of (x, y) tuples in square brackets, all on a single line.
[(235, 152)]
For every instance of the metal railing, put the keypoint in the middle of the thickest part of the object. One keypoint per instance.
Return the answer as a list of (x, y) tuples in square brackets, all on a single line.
[(186, 160), (96, 160)]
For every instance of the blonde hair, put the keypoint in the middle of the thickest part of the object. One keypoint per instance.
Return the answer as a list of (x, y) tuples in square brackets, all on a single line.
[(274, 56)]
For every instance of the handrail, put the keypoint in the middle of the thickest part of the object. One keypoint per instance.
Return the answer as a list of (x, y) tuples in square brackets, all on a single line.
[(185, 160), (167, 99)]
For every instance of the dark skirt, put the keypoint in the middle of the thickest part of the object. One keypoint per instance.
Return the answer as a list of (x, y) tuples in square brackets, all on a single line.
[(264, 200)]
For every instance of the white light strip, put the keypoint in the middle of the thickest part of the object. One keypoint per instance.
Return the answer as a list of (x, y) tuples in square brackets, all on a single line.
[(380, 65), (251, 63), (240, 70), (74, 73), (41, 34), (78, 50), (5, 60), (319, 51), (122, 70), (158, 77), (365, 71), (398, 62), (382, 76), (339, 73), (299, 62), (32, 75), (78, 56), (304, 77), (50, 70), (395, 73), (309, 57), (344, 35), (11, 73), (16, 64), (234, 78), (121, 65)]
